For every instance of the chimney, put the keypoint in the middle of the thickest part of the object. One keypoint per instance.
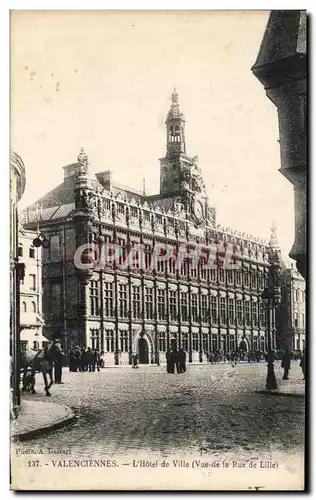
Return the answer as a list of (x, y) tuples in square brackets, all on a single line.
[(105, 179)]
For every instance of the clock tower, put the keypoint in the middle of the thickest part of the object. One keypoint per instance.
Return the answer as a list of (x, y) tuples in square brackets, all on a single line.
[(180, 176)]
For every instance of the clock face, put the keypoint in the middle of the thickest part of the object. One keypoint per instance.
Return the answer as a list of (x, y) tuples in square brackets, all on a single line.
[(198, 210)]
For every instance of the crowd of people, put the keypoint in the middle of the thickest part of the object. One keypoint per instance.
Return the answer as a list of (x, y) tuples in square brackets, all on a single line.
[(84, 360)]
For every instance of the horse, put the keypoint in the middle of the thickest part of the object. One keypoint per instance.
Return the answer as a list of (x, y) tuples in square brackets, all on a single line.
[(39, 361)]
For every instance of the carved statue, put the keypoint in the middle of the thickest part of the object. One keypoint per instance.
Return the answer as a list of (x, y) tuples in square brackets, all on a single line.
[(177, 207)]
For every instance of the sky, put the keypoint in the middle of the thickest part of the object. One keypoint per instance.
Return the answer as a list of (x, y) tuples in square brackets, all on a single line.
[(103, 81)]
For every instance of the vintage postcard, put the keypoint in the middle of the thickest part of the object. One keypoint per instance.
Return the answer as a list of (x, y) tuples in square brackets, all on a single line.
[(158, 255)]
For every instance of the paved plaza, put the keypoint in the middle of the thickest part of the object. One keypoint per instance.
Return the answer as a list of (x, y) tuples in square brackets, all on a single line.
[(209, 409)]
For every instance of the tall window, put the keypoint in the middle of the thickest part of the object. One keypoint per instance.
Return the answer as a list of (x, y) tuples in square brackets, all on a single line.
[(162, 341), (194, 271), (161, 303), (108, 299), (24, 308), (34, 307), (109, 341), (302, 320), (296, 320), (213, 274), (214, 342), (32, 253), (247, 312), (205, 346), (214, 308), (262, 344), (230, 278), (185, 342), (149, 303), (123, 341), (221, 275), (297, 295), (123, 300), (195, 342), (231, 342), (260, 280), (184, 306), (95, 339), (147, 252), (54, 247), (136, 301), (238, 277), (246, 276), (255, 343), (204, 308), (194, 307), (239, 312), (261, 314), (253, 278), (202, 263), (20, 250), (223, 309), (255, 313), (173, 305), (33, 282), (231, 310), (56, 298), (94, 298)]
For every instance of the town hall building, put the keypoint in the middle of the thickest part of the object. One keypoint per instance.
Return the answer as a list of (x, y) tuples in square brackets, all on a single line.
[(124, 311)]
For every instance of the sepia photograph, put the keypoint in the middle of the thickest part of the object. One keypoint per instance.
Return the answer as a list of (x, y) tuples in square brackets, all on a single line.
[(158, 164)]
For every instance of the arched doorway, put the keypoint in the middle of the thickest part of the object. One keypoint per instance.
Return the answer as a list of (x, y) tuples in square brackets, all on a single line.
[(243, 346), (143, 351)]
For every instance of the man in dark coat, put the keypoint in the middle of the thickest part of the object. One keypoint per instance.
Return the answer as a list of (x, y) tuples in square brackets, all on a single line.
[(286, 362), (58, 362), (170, 361), (181, 360), (90, 359)]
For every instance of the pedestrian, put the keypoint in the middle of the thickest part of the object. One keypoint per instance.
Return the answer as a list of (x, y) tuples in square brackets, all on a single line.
[(286, 362), (170, 361), (90, 359), (83, 364), (181, 360), (96, 363), (58, 362), (135, 361)]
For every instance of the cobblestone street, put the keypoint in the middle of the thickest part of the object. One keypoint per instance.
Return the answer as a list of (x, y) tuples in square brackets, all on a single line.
[(209, 409)]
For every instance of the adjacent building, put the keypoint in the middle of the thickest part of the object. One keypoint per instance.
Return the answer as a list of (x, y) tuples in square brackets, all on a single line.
[(291, 318), (31, 318), (123, 311), (17, 187)]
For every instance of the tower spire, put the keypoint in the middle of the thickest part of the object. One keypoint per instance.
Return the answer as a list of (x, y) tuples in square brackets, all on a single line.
[(175, 126), (274, 242)]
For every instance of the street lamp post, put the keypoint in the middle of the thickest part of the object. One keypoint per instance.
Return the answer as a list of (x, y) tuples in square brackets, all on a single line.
[(272, 299)]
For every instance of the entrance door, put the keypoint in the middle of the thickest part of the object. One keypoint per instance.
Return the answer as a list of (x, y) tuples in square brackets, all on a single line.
[(243, 346), (143, 351)]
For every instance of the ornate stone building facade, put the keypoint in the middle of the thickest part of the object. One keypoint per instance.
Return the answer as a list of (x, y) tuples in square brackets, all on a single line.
[(141, 310)]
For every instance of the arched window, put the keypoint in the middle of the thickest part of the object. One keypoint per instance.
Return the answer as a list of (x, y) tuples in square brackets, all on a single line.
[(24, 308), (34, 307)]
